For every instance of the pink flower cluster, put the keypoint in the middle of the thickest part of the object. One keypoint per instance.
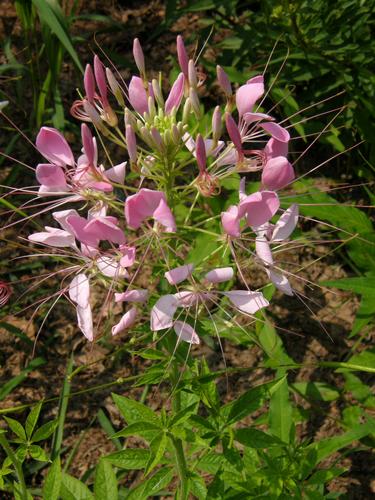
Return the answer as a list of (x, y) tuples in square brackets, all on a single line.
[(109, 236)]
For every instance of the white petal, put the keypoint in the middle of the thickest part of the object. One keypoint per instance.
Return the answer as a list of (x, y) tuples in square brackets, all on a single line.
[(162, 313), (178, 274), (286, 224), (219, 275), (125, 322), (247, 301), (79, 290), (84, 316), (280, 281), (185, 332)]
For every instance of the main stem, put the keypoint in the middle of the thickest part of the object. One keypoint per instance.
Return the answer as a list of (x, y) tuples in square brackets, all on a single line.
[(177, 443), (17, 466)]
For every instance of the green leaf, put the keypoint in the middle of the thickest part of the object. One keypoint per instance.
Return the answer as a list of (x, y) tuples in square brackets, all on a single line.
[(325, 475), (131, 458), (138, 428), (280, 413), (32, 419), (157, 446), (363, 285), (183, 415), (52, 483), (326, 447), (16, 428), (254, 438), (37, 453), (248, 402), (365, 359), (49, 17), (198, 486), (45, 431), (318, 391), (133, 411), (152, 485), (74, 489), (105, 485)]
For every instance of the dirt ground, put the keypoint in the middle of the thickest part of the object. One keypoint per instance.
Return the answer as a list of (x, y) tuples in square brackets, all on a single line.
[(314, 336)]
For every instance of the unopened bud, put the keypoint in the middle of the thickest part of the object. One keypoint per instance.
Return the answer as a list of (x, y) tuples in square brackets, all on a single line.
[(167, 137), (115, 87), (183, 59), (139, 57), (129, 119), (194, 99), (193, 79), (151, 107), (216, 124), (89, 83), (157, 92), (224, 81), (100, 79), (186, 111), (92, 113), (176, 136), (146, 136), (200, 153), (131, 144), (157, 138)]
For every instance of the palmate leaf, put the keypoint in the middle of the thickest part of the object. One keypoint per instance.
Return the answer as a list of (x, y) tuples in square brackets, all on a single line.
[(131, 458), (32, 419), (16, 428), (52, 483), (74, 489), (151, 486)]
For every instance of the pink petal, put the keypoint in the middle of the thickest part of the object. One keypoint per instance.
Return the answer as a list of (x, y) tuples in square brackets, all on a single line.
[(280, 281), (175, 95), (286, 224), (223, 80), (187, 299), (263, 250), (200, 151), (78, 227), (233, 132), (256, 117), (53, 237), (230, 221), (275, 148), (84, 317), (228, 158), (247, 301), (89, 145), (186, 333), (110, 267), (162, 313), (148, 203), (79, 290), (117, 173), (256, 79), (61, 217), (140, 295), (182, 56), (106, 229), (178, 274), (242, 189), (125, 322), (138, 97), (277, 173), (277, 132), (219, 275), (247, 95), (259, 207), (53, 146), (128, 255), (51, 176)]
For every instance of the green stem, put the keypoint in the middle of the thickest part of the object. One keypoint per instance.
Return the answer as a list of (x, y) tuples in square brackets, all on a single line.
[(181, 467), (17, 465)]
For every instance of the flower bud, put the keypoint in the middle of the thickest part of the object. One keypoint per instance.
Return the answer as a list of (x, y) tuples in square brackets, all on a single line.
[(200, 153), (100, 80), (151, 107), (186, 111), (194, 100), (193, 80), (216, 124), (115, 87), (183, 60), (157, 92), (233, 132), (224, 81), (89, 83), (175, 134), (139, 57), (131, 144), (157, 138), (146, 136), (129, 119)]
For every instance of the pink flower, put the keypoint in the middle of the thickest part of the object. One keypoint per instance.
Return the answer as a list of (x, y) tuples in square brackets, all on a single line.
[(248, 94), (91, 232), (149, 204), (277, 173), (53, 146)]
